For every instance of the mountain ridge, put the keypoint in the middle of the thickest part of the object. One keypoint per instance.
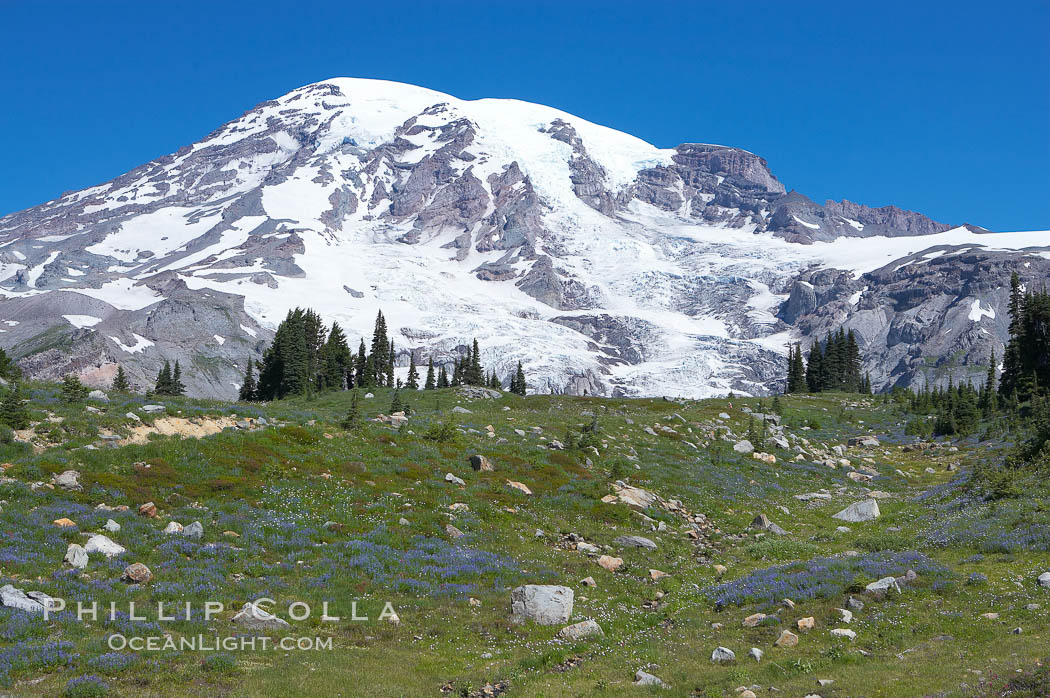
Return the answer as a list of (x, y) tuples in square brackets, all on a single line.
[(605, 264)]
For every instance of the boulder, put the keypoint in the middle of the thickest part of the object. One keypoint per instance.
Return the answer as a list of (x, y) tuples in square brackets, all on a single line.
[(111, 526), (10, 597), (634, 542), (102, 544), (136, 573), (68, 480), (642, 678), (753, 620), (610, 563), (588, 582), (722, 655), (744, 447), (252, 617), (545, 604), (1044, 580), (806, 623), (453, 532), (656, 575), (450, 478), (864, 510), (64, 523), (98, 395), (153, 409), (755, 654), (481, 464), (195, 530), (149, 510), (883, 586), (787, 639), (863, 441), (519, 486), (634, 497), (844, 632), (173, 527), (579, 631), (461, 410), (76, 557)]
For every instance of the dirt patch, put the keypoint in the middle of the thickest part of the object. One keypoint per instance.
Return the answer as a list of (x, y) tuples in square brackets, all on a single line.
[(195, 428)]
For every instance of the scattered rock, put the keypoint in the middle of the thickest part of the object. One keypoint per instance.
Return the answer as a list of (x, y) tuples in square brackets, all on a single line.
[(102, 544), (656, 575), (844, 615), (863, 441), (195, 530), (76, 557), (98, 395), (461, 410), (136, 573), (767, 458), (753, 620), (148, 509), (744, 447), (883, 586), (844, 632), (481, 464), (864, 510), (68, 480), (545, 604), (642, 678), (449, 477), (806, 623), (588, 582), (173, 527), (719, 569), (152, 409), (787, 639), (755, 654), (634, 542), (610, 563), (762, 523), (10, 597), (579, 631), (111, 526), (521, 487), (722, 655), (64, 523), (1044, 579), (453, 532), (252, 617)]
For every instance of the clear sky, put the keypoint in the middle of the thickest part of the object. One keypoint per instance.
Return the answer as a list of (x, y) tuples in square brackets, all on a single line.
[(939, 107)]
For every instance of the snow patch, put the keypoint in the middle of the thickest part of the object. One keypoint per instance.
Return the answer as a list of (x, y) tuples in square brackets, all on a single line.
[(82, 321)]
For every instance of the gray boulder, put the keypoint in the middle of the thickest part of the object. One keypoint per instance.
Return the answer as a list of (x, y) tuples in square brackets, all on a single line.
[(252, 617), (864, 510), (744, 447), (634, 542), (68, 480), (76, 557), (102, 544), (450, 478), (1044, 579), (11, 597), (722, 655), (545, 604), (579, 631), (642, 678), (98, 395), (195, 530)]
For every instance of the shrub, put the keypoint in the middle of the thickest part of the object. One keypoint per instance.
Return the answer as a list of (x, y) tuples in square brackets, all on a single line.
[(86, 687)]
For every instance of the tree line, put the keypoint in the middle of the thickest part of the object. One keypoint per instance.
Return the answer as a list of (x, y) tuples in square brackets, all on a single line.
[(306, 357), (833, 365)]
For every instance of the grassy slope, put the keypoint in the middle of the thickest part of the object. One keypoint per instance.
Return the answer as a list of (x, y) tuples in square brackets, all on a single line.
[(276, 487)]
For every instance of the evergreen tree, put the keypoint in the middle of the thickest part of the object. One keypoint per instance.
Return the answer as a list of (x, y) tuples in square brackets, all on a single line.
[(442, 381), (164, 383), (815, 369), (337, 361), (990, 393), (389, 369), (431, 382), (517, 382), (1012, 355), (361, 367), (8, 368), (412, 383), (177, 386), (396, 404), (13, 411), (353, 417), (248, 387), (378, 357), (73, 391), (121, 384), (473, 374), (457, 373)]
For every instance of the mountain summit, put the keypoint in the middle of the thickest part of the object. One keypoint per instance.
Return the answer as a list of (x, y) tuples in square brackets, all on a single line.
[(604, 264)]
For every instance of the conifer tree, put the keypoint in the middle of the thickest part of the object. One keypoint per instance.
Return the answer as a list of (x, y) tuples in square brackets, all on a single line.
[(517, 383), (396, 404), (412, 382), (361, 367), (13, 411), (164, 383), (389, 368), (8, 368), (336, 360), (177, 386), (73, 391), (353, 416), (380, 349), (120, 382), (473, 374), (248, 387), (443, 381), (431, 381), (457, 373)]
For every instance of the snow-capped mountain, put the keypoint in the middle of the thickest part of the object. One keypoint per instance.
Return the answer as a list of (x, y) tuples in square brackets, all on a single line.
[(604, 264)]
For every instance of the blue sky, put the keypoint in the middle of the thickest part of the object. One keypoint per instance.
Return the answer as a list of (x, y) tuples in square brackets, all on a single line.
[(937, 107)]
